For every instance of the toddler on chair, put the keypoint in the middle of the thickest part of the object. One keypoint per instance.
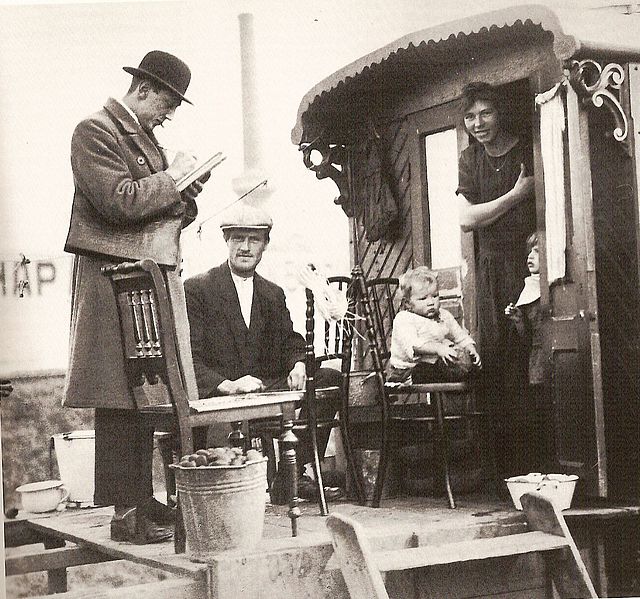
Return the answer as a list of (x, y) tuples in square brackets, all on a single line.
[(427, 343)]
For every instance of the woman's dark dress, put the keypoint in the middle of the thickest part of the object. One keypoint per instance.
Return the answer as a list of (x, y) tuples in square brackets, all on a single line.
[(501, 265)]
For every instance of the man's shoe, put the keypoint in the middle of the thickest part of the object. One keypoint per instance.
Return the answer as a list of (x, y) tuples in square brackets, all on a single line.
[(159, 513), (132, 527)]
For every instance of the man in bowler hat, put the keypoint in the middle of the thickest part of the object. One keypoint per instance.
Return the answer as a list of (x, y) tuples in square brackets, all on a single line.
[(125, 196)]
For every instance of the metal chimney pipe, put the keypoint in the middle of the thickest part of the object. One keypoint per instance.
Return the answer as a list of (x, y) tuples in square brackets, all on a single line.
[(252, 146)]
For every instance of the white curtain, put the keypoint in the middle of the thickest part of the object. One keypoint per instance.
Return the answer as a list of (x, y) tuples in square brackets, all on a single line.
[(552, 126)]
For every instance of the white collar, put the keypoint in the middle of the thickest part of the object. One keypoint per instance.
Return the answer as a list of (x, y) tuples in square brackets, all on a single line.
[(133, 114), (238, 279), (531, 291)]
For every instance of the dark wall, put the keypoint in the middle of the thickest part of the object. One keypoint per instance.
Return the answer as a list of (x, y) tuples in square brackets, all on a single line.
[(616, 241)]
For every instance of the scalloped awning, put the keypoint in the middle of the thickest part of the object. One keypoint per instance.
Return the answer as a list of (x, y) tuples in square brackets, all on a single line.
[(574, 32)]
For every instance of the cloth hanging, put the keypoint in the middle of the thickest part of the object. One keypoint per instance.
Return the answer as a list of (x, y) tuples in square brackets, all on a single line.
[(552, 126), (330, 301)]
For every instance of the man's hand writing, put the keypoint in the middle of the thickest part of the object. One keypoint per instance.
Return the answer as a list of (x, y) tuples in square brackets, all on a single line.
[(297, 377), (182, 164)]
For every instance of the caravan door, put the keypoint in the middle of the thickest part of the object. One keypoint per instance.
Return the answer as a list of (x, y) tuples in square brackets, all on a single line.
[(573, 338)]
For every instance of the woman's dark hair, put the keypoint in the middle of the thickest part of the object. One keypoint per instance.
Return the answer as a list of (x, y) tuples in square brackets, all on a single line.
[(481, 91), (485, 92)]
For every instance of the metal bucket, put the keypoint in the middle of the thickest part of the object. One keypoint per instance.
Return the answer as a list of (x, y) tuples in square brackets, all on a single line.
[(222, 507), (75, 453)]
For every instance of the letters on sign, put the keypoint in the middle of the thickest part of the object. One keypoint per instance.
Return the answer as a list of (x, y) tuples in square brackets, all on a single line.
[(26, 279)]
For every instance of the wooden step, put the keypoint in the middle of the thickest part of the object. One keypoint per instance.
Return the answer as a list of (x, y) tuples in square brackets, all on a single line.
[(429, 555)]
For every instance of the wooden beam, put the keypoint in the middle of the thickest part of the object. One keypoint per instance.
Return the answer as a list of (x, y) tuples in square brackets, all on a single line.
[(57, 581), (429, 555), (177, 588), (18, 533), (53, 559)]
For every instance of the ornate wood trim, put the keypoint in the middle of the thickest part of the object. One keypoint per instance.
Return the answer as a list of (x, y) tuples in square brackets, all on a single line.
[(333, 164), (601, 86)]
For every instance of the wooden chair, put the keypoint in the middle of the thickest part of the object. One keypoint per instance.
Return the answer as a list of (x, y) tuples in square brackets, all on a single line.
[(548, 535), (379, 301), (154, 374), (337, 346), (338, 339)]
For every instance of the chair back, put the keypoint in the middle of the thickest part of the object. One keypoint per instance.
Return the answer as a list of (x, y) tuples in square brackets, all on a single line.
[(384, 301), (337, 335), (147, 331)]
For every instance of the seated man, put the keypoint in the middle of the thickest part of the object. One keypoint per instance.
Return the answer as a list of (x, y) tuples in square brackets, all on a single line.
[(242, 336)]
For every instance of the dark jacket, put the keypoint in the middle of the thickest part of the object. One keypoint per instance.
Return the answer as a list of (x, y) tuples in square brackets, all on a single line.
[(222, 345), (120, 191), (124, 204)]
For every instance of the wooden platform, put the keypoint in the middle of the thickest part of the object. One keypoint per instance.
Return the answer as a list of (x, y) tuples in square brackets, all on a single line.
[(282, 566)]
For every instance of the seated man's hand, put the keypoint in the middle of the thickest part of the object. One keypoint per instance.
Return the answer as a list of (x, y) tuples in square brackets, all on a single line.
[(245, 384), (297, 377)]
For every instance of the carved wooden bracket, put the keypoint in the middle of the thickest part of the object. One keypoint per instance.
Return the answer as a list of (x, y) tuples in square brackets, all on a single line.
[(594, 84), (332, 162)]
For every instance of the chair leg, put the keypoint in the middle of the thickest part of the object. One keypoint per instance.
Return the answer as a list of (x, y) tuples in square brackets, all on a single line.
[(383, 463), (166, 446), (322, 500), (288, 442), (443, 444), (353, 471), (266, 439)]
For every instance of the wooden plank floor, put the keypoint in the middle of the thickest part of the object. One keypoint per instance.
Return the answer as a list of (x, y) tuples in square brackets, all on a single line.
[(398, 517), (399, 522), (90, 527)]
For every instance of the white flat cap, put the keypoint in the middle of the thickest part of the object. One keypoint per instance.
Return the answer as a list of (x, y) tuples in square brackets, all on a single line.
[(246, 216)]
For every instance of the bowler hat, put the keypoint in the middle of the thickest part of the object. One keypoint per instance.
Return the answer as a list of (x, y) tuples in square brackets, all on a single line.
[(246, 216), (166, 69)]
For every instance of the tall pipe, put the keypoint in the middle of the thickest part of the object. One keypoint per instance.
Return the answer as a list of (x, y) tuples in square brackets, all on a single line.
[(252, 146)]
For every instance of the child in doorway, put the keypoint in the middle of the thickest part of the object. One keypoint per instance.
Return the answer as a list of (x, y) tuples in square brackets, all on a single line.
[(427, 343), (530, 427)]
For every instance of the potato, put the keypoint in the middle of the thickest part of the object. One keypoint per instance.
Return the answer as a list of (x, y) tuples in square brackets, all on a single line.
[(200, 460)]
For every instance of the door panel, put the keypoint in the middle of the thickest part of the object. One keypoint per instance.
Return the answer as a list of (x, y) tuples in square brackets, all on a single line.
[(572, 330)]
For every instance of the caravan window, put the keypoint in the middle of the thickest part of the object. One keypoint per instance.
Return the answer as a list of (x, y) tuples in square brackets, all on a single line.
[(441, 158)]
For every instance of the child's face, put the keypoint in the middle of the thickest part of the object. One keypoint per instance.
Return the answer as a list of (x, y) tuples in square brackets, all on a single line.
[(533, 260), (424, 300)]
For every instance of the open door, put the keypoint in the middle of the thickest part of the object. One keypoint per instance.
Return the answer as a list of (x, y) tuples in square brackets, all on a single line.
[(442, 246), (572, 328)]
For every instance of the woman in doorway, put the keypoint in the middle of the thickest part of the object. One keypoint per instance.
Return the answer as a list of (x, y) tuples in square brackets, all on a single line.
[(496, 194)]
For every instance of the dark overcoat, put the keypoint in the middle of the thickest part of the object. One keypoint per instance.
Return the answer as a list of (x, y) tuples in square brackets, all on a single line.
[(223, 347), (120, 188)]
